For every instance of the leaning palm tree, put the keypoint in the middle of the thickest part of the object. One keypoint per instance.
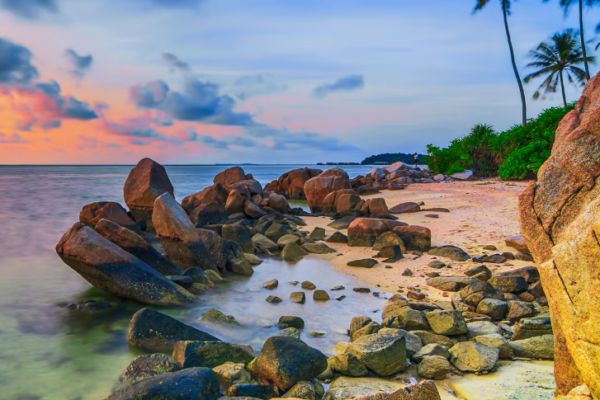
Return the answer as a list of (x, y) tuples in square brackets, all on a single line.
[(556, 59), (566, 4), (506, 12)]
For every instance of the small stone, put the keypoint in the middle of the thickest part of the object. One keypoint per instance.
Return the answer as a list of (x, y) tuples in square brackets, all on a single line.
[(337, 288), (317, 234), (340, 298), (308, 285), (415, 295), (490, 247), (436, 264), (290, 321), (432, 275), (274, 299), (272, 284), (362, 290), (337, 237), (291, 331), (298, 297), (407, 272), (317, 333), (320, 295)]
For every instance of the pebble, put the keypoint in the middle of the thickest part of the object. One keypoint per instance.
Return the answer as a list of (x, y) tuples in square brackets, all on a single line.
[(362, 290), (340, 287), (340, 298), (274, 299), (308, 285), (317, 333)]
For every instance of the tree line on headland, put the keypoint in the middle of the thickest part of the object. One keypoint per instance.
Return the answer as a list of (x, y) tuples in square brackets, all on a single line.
[(520, 151)]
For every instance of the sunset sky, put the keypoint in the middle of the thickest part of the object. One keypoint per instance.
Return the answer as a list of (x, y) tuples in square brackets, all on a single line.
[(259, 81)]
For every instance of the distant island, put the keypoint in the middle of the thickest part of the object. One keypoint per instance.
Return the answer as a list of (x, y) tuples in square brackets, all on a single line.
[(390, 158)]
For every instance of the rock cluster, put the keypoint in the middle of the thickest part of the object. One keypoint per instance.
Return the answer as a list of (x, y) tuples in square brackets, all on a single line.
[(166, 253)]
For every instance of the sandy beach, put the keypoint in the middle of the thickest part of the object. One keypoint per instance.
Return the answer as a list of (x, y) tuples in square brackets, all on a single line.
[(480, 215)]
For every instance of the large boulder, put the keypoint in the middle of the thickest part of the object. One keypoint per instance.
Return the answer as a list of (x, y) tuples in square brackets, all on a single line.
[(211, 194), (291, 184), (447, 322), (340, 200), (385, 354), (134, 244), (229, 176), (92, 213), (365, 231), (108, 267), (317, 188), (560, 222), (535, 347), (155, 331), (146, 182), (178, 236), (285, 361), (190, 383)]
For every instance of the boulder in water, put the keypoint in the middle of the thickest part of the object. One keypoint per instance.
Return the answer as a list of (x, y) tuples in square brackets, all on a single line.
[(92, 213), (112, 269), (146, 182), (178, 236)]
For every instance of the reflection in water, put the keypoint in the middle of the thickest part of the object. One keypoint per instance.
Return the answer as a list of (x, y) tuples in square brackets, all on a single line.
[(50, 352)]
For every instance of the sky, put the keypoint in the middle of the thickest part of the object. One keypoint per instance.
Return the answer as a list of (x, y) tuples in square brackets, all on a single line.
[(261, 81)]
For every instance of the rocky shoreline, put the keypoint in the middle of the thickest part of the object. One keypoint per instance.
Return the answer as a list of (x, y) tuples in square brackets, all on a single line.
[(163, 253)]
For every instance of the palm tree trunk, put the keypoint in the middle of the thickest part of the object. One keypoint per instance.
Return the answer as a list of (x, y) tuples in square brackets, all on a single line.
[(585, 61), (514, 64), (562, 87)]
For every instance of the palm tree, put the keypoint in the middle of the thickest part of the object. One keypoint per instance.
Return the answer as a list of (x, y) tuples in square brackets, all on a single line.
[(556, 59), (566, 4), (506, 12)]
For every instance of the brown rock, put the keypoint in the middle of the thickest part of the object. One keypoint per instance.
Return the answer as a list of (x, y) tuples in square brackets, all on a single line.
[(229, 176), (365, 231), (211, 194), (378, 206), (92, 213), (419, 391), (235, 203), (291, 184), (178, 236), (405, 208), (146, 181), (517, 242), (317, 188)]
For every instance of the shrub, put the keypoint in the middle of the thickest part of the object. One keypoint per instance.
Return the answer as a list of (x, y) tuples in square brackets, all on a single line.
[(511, 154)]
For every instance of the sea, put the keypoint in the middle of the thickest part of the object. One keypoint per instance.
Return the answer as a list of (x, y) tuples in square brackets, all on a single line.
[(49, 352)]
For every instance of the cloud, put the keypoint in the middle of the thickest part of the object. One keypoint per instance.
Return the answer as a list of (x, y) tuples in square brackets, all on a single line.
[(42, 105), (257, 85), (80, 64), (15, 63), (198, 102), (176, 63), (225, 142), (346, 84), (137, 128), (308, 140), (29, 9), (14, 139)]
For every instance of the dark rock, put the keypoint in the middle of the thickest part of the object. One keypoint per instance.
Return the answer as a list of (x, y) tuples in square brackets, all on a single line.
[(451, 252), (493, 308), (274, 299), (290, 322), (182, 385), (298, 297), (154, 331), (337, 237), (519, 310), (318, 248), (239, 234), (509, 284), (112, 269), (451, 283), (447, 322), (317, 234), (405, 208), (493, 259), (532, 327), (208, 214), (229, 176), (178, 236), (342, 223), (251, 390), (415, 237), (531, 274), (366, 263), (134, 244), (191, 354), (214, 316), (147, 366), (365, 231)]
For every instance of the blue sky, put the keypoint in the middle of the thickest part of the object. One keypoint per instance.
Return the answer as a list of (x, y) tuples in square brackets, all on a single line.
[(274, 81)]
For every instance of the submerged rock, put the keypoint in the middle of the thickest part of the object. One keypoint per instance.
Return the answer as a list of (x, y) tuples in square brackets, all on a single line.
[(154, 331), (112, 269), (215, 316), (182, 385)]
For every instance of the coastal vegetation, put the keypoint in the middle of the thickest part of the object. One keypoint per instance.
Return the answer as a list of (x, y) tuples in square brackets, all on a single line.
[(511, 154)]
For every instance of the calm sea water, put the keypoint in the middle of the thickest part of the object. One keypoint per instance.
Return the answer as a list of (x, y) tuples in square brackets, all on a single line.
[(47, 352)]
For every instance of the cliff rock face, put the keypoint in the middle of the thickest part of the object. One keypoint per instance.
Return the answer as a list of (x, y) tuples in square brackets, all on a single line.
[(560, 220)]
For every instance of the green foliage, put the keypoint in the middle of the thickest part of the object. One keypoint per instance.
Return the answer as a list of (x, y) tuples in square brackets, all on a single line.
[(511, 154), (392, 158)]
